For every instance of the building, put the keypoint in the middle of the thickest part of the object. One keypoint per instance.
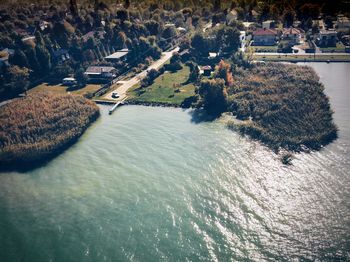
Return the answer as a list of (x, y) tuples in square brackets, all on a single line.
[(342, 22), (120, 55), (242, 39), (205, 70), (293, 35), (269, 24), (60, 55), (327, 38), (231, 16), (265, 37), (100, 72)]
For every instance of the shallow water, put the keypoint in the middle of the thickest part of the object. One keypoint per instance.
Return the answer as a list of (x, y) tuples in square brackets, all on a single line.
[(149, 184)]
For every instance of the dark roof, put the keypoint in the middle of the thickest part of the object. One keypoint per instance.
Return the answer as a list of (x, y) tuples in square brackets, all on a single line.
[(265, 31)]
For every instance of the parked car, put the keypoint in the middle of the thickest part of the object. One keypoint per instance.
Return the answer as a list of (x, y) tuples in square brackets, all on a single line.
[(115, 95)]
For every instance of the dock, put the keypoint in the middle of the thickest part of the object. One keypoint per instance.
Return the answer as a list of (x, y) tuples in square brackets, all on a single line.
[(118, 104)]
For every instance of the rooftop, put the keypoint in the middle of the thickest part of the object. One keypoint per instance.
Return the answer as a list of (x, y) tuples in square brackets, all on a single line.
[(118, 54), (293, 31), (265, 31), (99, 69)]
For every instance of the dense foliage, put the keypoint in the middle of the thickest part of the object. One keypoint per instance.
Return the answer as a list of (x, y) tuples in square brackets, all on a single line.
[(39, 126), (285, 104)]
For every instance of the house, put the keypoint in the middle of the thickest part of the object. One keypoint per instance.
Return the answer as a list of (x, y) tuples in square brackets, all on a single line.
[(269, 24), (265, 37), (242, 39), (60, 55), (327, 38), (293, 35), (205, 70), (100, 72), (212, 55), (43, 25), (342, 22), (181, 29), (231, 16), (120, 55), (185, 55)]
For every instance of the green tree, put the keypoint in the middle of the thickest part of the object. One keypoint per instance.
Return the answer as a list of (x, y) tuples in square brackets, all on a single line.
[(44, 58), (19, 58), (81, 77), (213, 95)]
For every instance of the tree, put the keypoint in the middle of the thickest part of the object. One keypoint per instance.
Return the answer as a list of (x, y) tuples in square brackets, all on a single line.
[(127, 4), (81, 77), (44, 58), (223, 71), (19, 58), (153, 27), (213, 95), (17, 80), (194, 72)]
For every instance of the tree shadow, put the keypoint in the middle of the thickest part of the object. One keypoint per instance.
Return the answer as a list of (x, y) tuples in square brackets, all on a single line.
[(200, 115)]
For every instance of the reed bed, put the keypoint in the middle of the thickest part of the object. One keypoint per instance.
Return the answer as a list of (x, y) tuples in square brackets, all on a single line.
[(39, 126), (285, 105)]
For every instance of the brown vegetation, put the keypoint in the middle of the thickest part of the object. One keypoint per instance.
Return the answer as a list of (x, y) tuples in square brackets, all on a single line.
[(38, 126), (286, 105)]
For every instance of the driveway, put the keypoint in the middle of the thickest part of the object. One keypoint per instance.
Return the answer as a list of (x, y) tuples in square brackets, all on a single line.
[(123, 86)]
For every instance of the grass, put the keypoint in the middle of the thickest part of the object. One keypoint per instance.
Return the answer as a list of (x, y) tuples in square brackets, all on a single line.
[(169, 88), (39, 126), (271, 49), (61, 89), (338, 48), (302, 58)]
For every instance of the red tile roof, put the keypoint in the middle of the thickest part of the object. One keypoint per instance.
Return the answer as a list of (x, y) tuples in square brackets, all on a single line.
[(265, 31)]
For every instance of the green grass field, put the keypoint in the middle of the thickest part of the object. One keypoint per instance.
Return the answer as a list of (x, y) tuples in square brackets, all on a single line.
[(60, 89), (169, 88), (271, 49), (339, 48)]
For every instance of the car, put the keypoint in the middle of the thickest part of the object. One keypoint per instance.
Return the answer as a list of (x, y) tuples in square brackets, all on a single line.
[(115, 95)]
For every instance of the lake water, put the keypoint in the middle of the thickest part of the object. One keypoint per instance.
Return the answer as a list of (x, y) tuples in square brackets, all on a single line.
[(150, 184)]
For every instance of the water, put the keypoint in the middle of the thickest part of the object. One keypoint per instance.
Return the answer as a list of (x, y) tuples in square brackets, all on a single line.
[(149, 184)]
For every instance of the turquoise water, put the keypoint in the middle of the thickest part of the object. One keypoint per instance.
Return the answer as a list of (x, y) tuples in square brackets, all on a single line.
[(154, 184)]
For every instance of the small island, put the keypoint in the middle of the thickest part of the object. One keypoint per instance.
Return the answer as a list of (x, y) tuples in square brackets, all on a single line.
[(37, 127)]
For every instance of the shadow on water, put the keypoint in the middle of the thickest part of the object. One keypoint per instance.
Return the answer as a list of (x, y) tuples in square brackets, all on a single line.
[(200, 115)]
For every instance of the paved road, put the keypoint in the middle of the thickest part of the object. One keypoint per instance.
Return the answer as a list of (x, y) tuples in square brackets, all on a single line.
[(125, 85), (298, 54)]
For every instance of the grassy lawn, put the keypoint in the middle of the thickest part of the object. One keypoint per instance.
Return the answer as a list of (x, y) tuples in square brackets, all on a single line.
[(271, 49), (60, 89), (301, 58), (168, 88), (338, 48)]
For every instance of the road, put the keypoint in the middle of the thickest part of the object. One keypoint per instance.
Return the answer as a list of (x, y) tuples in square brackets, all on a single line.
[(298, 54), (123, 86)]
